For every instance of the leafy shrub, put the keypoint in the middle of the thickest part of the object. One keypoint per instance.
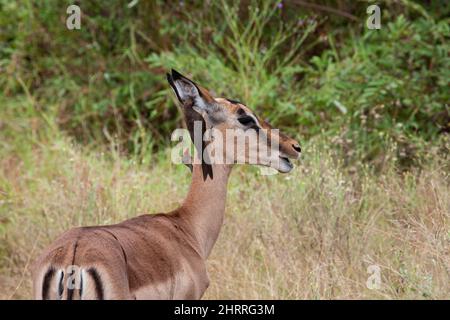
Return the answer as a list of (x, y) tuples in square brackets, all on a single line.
[(305, 72), (389, 85)]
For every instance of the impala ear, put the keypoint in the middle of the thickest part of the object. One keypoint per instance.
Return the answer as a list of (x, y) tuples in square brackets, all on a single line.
[(195, 102), (188, 92), (193, 96)]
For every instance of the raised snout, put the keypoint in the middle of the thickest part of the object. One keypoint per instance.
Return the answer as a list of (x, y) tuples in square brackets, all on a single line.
[(289, 148)]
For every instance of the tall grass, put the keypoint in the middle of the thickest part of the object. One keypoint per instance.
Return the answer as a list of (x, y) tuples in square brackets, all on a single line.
[(309, 234), (314, 235)]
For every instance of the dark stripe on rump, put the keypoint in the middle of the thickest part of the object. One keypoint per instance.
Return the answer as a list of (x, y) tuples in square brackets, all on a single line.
[(61, 285), (98, 282), (46, 282), (81, 284), (70, 290)]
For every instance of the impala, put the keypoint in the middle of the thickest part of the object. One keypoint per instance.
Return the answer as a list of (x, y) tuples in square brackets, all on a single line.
[(163, 256)]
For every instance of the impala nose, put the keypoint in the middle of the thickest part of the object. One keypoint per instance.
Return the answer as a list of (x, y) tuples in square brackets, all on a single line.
[(297, 147)]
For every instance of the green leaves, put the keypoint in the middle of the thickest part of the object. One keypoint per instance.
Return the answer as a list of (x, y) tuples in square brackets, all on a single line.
[(308, 76)]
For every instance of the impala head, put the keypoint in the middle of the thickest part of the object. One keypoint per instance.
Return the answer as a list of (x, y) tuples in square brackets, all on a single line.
[(233, 124)]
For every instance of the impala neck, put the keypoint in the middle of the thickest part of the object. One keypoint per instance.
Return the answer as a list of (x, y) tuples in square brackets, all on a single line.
[(204, 206)]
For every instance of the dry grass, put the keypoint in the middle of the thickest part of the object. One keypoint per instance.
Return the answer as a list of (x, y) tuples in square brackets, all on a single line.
[(311, 234), (314, 236)]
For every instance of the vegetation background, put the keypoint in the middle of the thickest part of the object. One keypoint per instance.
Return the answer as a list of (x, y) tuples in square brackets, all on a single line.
[(86, 117)]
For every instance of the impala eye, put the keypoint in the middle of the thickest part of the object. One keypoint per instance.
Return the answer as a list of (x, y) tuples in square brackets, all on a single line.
[(247, 120)]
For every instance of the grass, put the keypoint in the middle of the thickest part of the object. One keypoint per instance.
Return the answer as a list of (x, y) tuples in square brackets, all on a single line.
[(310, 234)]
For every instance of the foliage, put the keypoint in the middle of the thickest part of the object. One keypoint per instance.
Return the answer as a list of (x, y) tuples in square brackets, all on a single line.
[(303, 71), (391, 85)]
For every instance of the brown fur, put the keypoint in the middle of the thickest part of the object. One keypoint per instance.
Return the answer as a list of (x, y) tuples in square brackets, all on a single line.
[(160, 256)]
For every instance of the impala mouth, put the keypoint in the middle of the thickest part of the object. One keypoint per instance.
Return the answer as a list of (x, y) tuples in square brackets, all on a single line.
[(285, 165)]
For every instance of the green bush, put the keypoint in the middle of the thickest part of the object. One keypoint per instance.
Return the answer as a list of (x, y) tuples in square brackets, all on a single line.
[(309, 72), (387, 85)]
